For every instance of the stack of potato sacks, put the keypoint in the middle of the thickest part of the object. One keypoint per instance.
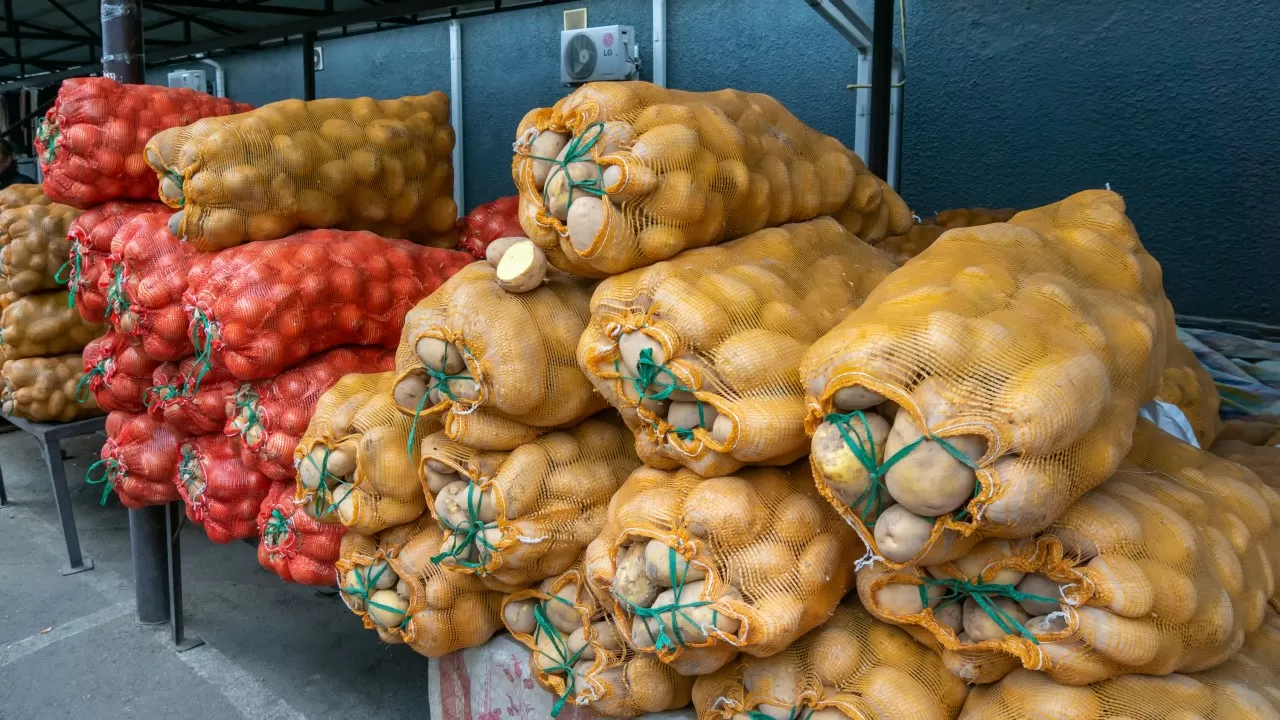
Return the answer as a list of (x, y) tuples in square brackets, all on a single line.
[(41, 335)]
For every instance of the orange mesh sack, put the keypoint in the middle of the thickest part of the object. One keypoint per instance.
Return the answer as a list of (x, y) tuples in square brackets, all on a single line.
[(1019, 354), (189, 401), (268, 417), (1254, 430), (620, 175), (1245, 687), (294, 545), (144, 284), (391, 583), (43, 389), (702, 353), (90, 236), (1263, 460), (1163, 568), (116, 374), (361, 164), (696, 570), (496, 367), (21, 194), (34, 247), (139, 461), (516, 518), (44, 325), (354, 462), (853, 667), (1187, 384), (579, 654), (221, 493)]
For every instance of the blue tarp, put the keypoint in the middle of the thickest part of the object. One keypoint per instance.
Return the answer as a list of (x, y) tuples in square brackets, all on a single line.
[(1246, 371)]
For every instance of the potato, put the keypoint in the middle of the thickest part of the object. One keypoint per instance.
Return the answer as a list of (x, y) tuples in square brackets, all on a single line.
[(584, 220), (694, 622), (1121, 586), (952, 616), (980, 626), (342, 461), (777, 678), (563, 613), (928, 480), (631, 344), (439, 481), (759, 563), (797, 518), (892, 693), (1125, 640), (689, 415), (1036, 584), (309, 469), (551, 651), (387, 608), (546, 145), (522, 267), (901, 534), (518, 616), (579, 647), (852, 398), (493, 253), (452, 505), (985, 553), (628, 181), (819, 560), (726, 508), (903, 599), (659, 560), (631, 582), (836, 654), (434, 352), (844, 474), (1041, 625)]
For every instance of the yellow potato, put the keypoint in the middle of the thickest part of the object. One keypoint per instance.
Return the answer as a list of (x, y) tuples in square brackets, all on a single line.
[(928, 480), (838, 467), (1036, 584)]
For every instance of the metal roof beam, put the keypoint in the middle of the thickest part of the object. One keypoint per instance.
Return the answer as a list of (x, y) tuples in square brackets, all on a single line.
[(214, 25), (71, 16), (235, 7)]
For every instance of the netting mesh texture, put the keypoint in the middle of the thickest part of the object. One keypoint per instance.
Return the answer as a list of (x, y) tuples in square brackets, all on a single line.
[(902, 248), (391, 583), (44, 325), (44, 389), (1163, 568), (620, 175), (355, 464), (520, 517), (116, 374), (701, 354), (1018, 353), (578, 654), (358, 164), (852, 667), (221, 493), (139, 461), (90, 142), (175, 399), (143, 284), (1187, 384), (294, 545), (262, 308), (20, 194), (496, 367), (34, 247), (698, 569), (90, 236)]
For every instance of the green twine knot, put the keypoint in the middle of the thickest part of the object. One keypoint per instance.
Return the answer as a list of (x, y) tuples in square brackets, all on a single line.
[(442, 379), (367, 585), (247, 399), (110, 473), (117, 299), (672, 638), (864, 449), (75, 270), (473, 534), (201, 324), (982, 593), (647, 375), (564, 661), (797, 713), (181, 181), (49, 133), (578, 150), (159, 394), (85, 384), (277, 528)]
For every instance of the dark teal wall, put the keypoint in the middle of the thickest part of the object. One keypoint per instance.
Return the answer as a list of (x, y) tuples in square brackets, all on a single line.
[(1008, 104)]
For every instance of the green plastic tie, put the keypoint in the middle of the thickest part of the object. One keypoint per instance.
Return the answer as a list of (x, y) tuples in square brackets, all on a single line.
[(564, 661), (110, 471), (204, 350), (647, 375), (442, 379), (74, 269), (276, 529), (85, 384), (578, 150), (178, 178), (117, 299), (247, 399), (664, 639), (474, 533), (367, 585), (958, 590)]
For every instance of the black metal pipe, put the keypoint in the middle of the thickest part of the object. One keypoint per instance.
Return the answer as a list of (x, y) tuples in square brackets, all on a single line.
[(150, 549), (309, 66), (122, 41), (881, 80)]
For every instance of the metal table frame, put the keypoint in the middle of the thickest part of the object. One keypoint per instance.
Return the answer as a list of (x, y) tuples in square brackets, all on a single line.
[(50, 437)]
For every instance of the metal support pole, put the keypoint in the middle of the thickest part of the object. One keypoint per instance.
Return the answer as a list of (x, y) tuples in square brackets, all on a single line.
[(455, 112), (76, 562), (149, 545), (660, 43), (172, 527), (122, 41), (308, 66), (881, 74)]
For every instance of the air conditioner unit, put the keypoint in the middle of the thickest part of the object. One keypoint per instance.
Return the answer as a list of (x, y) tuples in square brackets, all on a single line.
[(599, 53)]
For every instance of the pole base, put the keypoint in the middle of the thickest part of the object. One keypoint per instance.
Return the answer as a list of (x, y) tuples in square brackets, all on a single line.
[(85, 564), (189, 642)]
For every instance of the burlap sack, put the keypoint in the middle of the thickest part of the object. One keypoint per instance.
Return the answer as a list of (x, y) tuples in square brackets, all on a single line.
[(620, 175), (1019, 354), (701, 354), (516, 518)]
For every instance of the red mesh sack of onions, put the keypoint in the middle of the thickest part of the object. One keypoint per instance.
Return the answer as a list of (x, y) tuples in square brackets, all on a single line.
[(138, 461), (487, 223), (220, 492), (261, 308), (270, 416), (190, 397), (90, 142), (117, 373), (295, 545), (148, 275), (90, 235)]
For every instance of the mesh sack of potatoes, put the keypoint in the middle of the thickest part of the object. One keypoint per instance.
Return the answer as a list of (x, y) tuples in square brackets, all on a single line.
[(185, 405), (971, 217), (620, 175), (20, 194), (497, 368), (34, 247), (579, 655), (1263, 460), (144, 283), (139, 461), (116, 375), (1163, 568), (390, 582), (699, 569), (270, 416), (1246, 687), (90, 142), (1253, 430), (295, 545), (355, 461), (923, 234), (358, 164), (488, 222), (262, 308), (853, 666), (990, 381), (44, 389), (702, 353), (44, 325), (90, 236), (222, 494), (1187, 384), (516, 518)]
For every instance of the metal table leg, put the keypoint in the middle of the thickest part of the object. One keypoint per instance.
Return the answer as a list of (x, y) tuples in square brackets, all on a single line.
[(62, 497), (172, 527), (4, 499)]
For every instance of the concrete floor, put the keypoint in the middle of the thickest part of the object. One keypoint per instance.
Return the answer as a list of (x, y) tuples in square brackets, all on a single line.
[(71, 647)]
